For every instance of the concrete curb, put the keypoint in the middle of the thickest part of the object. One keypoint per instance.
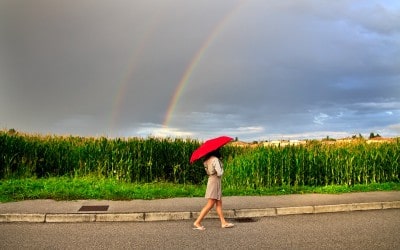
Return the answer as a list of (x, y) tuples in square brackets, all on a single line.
[(173, 216)]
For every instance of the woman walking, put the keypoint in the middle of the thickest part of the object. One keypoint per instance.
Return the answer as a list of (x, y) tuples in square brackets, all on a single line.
[(215, 170)]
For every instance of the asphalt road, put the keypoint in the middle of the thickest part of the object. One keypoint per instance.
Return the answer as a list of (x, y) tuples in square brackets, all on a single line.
[(348, 230)]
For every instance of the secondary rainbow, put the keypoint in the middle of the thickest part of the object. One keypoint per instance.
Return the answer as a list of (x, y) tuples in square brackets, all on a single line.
[(196, 60), (136, 54)]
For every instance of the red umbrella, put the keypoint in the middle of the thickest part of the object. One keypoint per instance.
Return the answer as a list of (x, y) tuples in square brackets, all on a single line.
[(209, 146)]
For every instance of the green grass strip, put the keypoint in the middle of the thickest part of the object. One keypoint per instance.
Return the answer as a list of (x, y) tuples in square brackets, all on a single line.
[(64, 188)]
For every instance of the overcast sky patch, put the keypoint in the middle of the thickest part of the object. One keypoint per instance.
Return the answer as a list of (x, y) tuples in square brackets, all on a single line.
[(249, 69)]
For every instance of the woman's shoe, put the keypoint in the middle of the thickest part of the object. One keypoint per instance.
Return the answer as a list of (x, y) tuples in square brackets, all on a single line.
[(228, 225), (201, 228)]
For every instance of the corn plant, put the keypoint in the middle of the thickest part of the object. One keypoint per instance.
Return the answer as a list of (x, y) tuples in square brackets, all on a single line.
[(165, 159)]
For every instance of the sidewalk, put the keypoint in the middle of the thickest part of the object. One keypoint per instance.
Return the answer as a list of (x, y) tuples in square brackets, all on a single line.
[(188, 208)]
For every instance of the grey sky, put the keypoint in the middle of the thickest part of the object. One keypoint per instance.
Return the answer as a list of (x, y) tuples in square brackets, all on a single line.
[(275, 69)]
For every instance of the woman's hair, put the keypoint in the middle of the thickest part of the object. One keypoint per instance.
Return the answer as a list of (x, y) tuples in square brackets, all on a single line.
[(215, 153)]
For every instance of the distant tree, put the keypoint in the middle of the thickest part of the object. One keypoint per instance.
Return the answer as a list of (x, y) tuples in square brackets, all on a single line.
[(328, 139), (372, 135), (12, 131)]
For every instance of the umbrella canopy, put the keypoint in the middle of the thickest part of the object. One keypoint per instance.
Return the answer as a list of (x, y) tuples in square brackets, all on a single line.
[(209, 146)]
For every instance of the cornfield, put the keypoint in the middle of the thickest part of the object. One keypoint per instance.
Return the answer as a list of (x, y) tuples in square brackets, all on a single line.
[(315, 164), (154, 159)]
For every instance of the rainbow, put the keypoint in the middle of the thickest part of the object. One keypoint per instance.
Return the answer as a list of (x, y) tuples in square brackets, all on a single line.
[(196, 60), (138, 51), (123, 86)]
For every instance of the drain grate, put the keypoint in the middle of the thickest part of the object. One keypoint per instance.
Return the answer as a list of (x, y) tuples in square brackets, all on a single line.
[(245, 220), (93, 208)]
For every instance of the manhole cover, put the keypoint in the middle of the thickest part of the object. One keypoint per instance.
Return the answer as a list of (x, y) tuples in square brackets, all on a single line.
[(93, 208), (245, 220)]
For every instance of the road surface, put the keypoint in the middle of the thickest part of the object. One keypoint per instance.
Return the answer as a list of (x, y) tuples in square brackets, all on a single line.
[(348, 230)]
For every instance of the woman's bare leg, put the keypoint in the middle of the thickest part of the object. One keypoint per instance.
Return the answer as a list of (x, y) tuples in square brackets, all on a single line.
[(220, 213), (204, 212)]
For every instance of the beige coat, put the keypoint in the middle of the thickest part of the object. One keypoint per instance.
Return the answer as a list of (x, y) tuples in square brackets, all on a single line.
[(215, 170)]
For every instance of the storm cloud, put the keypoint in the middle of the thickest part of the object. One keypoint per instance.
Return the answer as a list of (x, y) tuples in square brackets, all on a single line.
[(267, 69)]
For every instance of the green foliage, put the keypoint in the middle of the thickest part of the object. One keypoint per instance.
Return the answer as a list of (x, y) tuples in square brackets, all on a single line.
[(65, 188), (136, 160), (131, 160), (315, 164)]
